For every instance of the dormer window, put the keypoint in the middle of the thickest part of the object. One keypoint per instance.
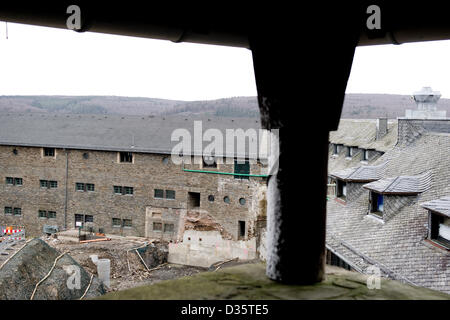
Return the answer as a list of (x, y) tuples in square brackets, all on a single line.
[(439, 221), (335, 149), (349, 152), (440, 229), (376, 204), (341, 189), (365, 155)]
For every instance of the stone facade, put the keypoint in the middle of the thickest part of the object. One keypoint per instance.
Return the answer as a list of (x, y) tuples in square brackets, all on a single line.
[(146, 172)]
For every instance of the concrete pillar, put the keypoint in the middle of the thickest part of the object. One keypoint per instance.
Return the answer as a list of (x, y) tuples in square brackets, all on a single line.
[(301, 85)]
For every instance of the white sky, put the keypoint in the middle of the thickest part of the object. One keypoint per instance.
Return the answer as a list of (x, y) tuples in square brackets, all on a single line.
[(46, 61)]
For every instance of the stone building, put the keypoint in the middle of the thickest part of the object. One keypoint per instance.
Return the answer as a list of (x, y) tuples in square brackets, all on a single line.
[(115, 174), (394, 214)]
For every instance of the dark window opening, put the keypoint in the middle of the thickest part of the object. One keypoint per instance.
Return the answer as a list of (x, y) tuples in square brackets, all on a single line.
[(335, 149), (193, 199), (116, 222), (241, 230), (9, 180), (209, 162), (168, 227), (88, 218), (157, 226), (90, 187), (440, 229), (128, 190), (241, 167), (211, 198), (42, 214), (341, 189), (376, 203), (51, 214), (126, 157), (226, 199), (349, 152), (365, 155), (49, 152), (8, 210), (118, 189), (242, 201), (170, 194), (159, 193), (17, 211), (127, 223)]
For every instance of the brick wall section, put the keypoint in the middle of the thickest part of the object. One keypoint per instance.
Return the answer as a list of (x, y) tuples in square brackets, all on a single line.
[(101, 168)]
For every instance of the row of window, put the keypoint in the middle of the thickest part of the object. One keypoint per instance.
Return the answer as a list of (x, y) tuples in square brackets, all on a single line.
[(14, 181), (116, 222), (350, 151), (439, 225), (168, 227), (41, 213), (240, 167)]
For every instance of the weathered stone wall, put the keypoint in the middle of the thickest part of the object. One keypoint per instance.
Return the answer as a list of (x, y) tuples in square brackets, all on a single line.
[(101, 168)]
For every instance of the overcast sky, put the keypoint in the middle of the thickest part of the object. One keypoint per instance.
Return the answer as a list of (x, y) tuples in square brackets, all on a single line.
[(46, 61)]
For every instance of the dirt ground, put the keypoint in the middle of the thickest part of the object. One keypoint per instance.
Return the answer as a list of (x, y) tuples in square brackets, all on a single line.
[(127, 270)]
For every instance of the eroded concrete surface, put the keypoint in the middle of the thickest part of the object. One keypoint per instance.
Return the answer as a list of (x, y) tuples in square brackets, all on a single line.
[(249, 282)]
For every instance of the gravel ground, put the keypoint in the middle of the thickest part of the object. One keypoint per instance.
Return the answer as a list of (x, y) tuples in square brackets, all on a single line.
[(127, 270)]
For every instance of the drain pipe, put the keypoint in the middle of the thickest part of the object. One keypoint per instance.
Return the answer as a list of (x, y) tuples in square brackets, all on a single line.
[(65, 191)]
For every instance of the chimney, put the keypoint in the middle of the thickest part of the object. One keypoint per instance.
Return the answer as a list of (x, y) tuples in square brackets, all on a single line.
[(382, 128)]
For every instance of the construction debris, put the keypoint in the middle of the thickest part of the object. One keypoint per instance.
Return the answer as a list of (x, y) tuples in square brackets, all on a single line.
[(38, 271)]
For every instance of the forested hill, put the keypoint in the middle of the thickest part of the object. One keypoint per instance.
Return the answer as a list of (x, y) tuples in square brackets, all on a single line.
[(355, 105)]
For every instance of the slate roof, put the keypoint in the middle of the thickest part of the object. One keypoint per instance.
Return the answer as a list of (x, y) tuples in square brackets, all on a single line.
[(441, 205), (362, 173), (362, 133), (399, 245), (147, 134), (402, 184)]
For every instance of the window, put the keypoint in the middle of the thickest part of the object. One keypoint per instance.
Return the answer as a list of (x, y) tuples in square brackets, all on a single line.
[(226, 199), (365, 155), (211, 198), (209, 162), (90, 187), (79, 186), (88, 218), (241, 167), (128, 190), (127, 223), (42, 214), (8, 210), (14, 181), (17, 211), (335, 149), (242, 201), (51, 214), (241, 230), (116, 222), (193, 199), (157, 226), (349, 152), (118, 189), (48, 184), (440, 229), (376, 203), (170, 194), (341, 189), (168, 227), (126, 157), (49, 152), (159, 193)]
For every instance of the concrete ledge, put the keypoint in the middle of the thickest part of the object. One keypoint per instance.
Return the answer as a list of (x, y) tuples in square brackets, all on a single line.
[(249, 282)]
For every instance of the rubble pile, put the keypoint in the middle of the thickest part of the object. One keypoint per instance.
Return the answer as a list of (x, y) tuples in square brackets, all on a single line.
[(33, 263)]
